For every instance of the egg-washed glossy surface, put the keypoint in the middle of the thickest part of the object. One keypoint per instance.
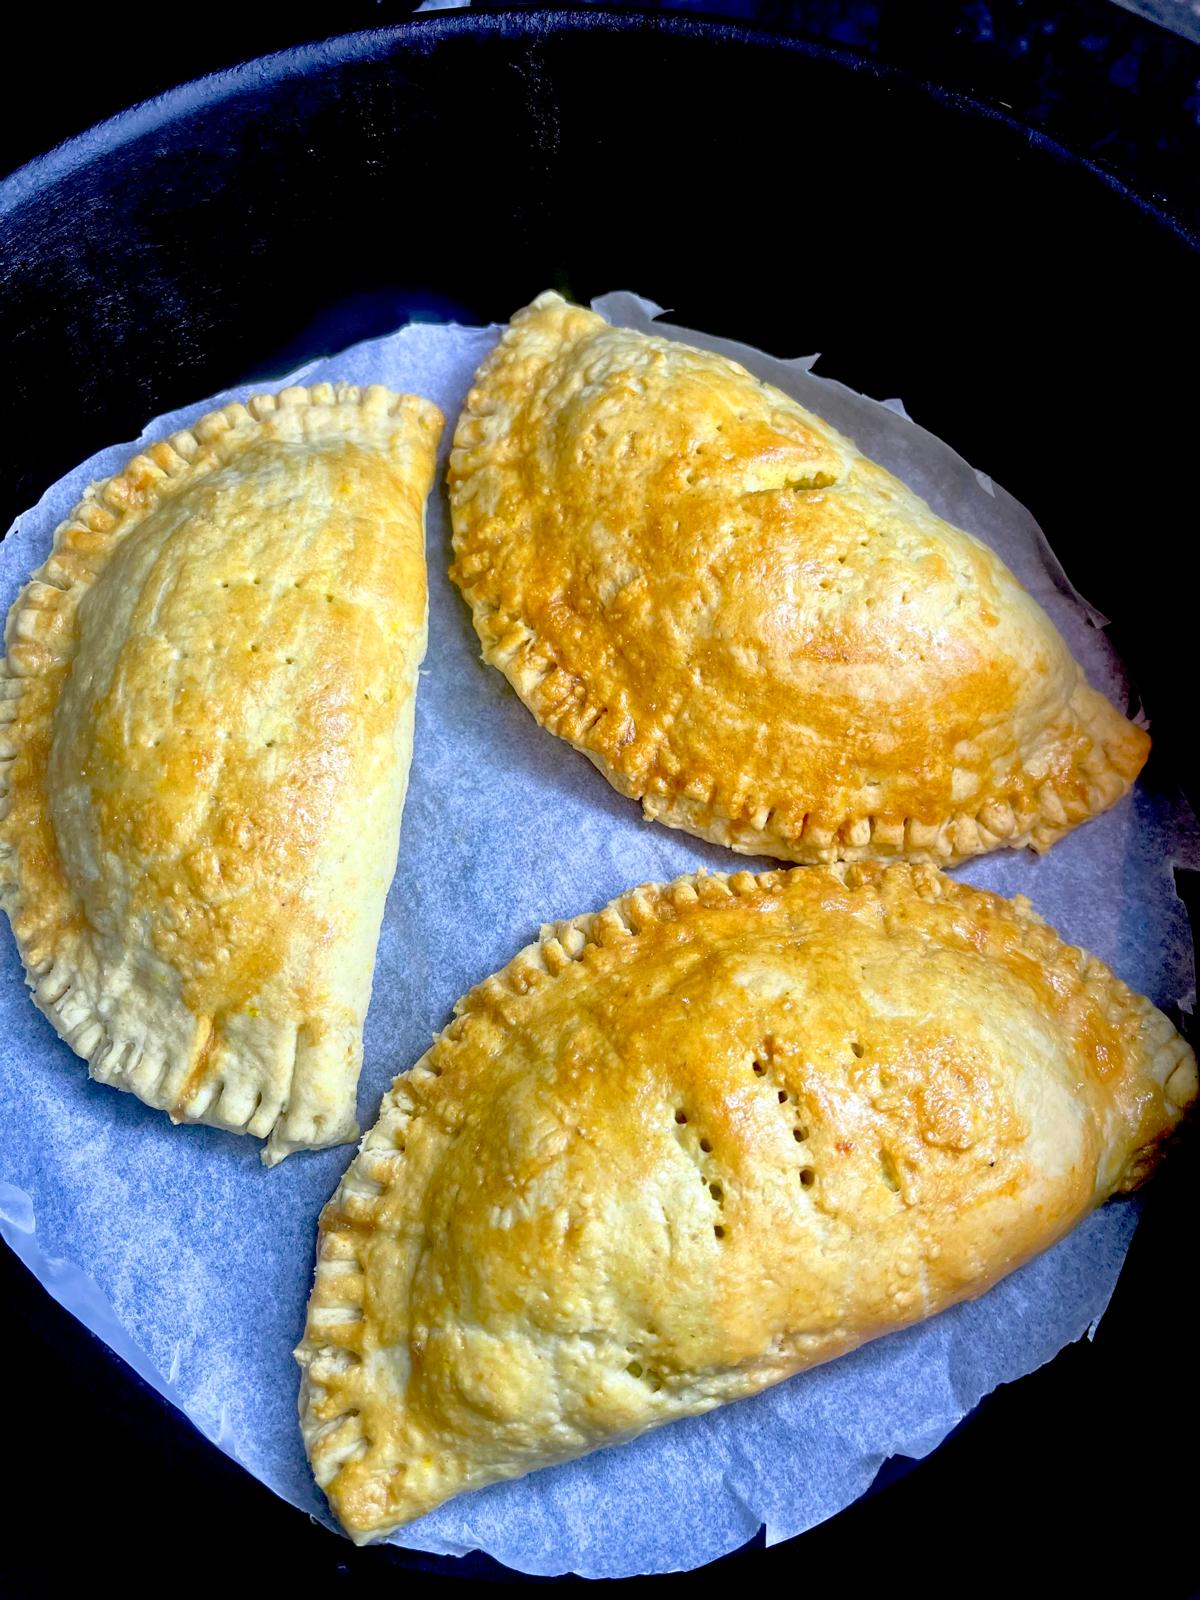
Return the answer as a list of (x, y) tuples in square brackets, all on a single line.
[(748, 626), (209, 694), (721, 1131)]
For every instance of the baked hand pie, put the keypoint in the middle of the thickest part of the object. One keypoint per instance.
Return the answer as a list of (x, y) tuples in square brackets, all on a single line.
[(721, 1131), (208, 698), (746, 625)]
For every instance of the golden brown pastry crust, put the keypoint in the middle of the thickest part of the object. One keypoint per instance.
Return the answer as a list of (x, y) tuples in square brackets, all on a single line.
[(721, 1131), (746, 625), (208, 705)]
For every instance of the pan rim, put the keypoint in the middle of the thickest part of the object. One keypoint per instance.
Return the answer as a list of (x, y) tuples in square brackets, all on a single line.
[(38, 177)]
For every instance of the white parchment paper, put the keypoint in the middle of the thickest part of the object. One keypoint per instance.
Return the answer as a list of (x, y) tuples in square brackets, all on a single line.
[(194, 1263)]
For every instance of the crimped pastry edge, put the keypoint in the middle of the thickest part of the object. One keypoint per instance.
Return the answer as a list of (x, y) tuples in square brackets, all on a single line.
[(1010, 821), (340, 1290), (39, 618)]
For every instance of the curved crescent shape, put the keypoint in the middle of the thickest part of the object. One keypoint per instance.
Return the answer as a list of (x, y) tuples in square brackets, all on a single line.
[(748, 626), (721, 1131), (208, 707)]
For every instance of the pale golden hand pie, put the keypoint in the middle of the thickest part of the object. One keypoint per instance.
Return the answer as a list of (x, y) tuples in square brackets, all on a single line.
[(208, 699), (721, 1131), (746, 625)]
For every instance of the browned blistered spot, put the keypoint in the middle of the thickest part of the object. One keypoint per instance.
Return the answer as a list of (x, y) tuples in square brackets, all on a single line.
[(1101, 1044)]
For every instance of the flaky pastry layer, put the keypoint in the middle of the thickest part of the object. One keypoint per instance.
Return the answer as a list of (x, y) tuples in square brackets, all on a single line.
[(750, 627), (208, 706), (720, 1131)]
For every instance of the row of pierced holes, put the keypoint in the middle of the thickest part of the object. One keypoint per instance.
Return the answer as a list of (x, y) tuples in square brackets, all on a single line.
[(887, 1164), (299, 584), (808, 1175), (288, 660), (291, 660), (257, 581), (187, 733), (714, 1188)]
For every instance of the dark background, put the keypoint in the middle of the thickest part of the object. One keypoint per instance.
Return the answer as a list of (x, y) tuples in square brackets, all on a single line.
[(1112, 86), (1079, 1475)]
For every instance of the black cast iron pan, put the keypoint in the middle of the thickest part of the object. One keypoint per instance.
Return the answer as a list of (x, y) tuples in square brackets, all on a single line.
[(1027, 306)]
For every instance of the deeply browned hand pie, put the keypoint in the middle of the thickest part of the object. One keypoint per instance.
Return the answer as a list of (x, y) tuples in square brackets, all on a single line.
[(723, 1130), (208, 708), (745, 624)]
